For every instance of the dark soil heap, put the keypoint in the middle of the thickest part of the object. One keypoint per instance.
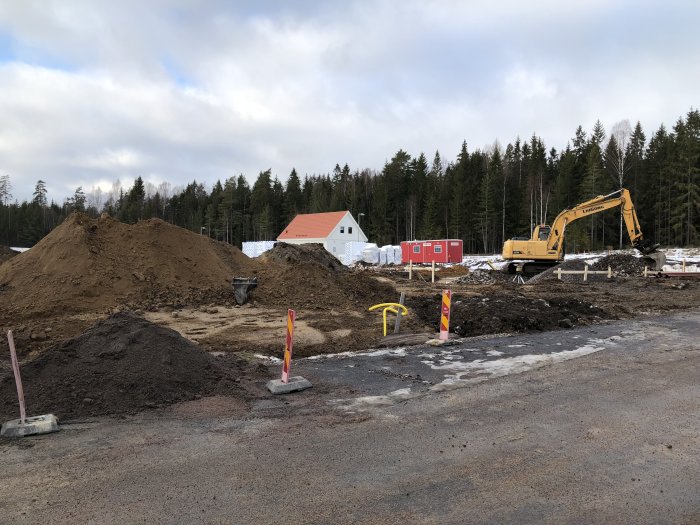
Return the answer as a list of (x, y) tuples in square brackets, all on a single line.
[(91, 265), (484, 277), (501, 313), (121, 365), (622, 264), (308, 276), (6, 254), (308, 254)]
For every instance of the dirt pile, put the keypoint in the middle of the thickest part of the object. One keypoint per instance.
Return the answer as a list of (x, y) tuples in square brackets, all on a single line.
[(503, 313), (477, 277), (308, 276), (309, 254), (622, 264), (452, 271), (92, 265), (121, 365), (6, 254)]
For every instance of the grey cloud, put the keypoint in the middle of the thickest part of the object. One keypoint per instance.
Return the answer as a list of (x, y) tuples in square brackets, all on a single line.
[(205, 90)]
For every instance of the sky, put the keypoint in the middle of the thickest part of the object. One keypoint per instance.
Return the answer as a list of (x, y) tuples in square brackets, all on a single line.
[(93, 92)]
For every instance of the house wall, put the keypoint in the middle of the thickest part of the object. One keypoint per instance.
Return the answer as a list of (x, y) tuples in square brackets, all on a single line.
[(335, 242)]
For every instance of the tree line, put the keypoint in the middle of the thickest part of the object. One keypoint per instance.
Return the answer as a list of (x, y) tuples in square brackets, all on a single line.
[(483, 197)]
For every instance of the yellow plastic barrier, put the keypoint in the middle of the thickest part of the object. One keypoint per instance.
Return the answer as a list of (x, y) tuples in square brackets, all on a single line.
[(389, 307)]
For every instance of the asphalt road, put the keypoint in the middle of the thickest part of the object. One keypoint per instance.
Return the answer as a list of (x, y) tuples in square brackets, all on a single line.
[(590, 425)]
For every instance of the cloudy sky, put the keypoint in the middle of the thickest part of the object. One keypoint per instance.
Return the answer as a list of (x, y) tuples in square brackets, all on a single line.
[(97, 91)]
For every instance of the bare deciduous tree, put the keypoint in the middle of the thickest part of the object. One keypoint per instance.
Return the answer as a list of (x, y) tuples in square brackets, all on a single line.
[(616, 155)]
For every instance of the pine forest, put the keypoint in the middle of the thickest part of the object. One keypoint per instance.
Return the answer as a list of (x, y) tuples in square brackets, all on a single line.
[(482, 196)]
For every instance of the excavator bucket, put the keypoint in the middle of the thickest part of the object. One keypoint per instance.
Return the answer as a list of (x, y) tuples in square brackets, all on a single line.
[(241, 287), (655, 260)]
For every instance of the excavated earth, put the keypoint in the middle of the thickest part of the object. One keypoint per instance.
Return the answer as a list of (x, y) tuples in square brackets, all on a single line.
[(60, 299), (6, 254), (123, 365)]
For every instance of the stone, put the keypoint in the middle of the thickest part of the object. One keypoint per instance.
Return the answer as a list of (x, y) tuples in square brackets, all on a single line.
[(32, 425), (295, 384)]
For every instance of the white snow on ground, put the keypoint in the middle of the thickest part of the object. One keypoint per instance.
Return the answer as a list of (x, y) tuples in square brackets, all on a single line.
[(679, 267), (480, 370), (400, 351), (18, 249), (267, 358), (675, 256), (365, 402)]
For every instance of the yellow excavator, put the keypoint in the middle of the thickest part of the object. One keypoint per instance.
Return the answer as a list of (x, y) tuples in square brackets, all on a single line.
[(546, 246)]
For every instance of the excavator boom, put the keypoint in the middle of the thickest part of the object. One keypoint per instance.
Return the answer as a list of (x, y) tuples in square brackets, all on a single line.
[(546, 245)]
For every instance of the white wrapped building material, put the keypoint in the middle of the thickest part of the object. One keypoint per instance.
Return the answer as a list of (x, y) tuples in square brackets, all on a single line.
[(370, 254), (382, 256), (389, 251), (397, 255), (353, 252), (257, 248)]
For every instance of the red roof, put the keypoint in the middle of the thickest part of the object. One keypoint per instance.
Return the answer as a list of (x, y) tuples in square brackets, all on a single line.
[(312, 225)]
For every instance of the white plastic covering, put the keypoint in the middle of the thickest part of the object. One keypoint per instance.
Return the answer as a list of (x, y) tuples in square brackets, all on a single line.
[(382, 256), (353, 252), (370, 254), (397, 255), (254, 249), (389, 251)]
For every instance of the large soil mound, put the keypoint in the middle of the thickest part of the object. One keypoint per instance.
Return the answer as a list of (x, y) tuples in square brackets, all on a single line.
[(6, 254), (121, 365), (307, 276), (90, 265), (309, 254)]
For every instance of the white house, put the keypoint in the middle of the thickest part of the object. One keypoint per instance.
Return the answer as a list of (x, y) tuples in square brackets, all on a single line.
[(332, 229)]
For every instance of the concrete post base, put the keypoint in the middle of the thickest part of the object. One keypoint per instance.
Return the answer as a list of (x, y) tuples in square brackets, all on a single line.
[(295, 384), (32, 425)]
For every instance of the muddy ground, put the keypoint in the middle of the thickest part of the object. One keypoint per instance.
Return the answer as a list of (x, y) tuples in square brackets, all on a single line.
[(86, 270), (612, 437)]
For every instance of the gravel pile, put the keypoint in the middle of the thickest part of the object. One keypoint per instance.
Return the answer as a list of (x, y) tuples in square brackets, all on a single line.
[(622, 264), (477, 277)]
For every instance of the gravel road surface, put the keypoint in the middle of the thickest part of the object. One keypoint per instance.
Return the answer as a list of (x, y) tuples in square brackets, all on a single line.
[(592, 425)]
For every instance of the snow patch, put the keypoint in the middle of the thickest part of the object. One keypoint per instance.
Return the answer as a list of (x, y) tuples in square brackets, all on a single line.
[(396, 352), (480, 370), (366, 402), (268, 358)]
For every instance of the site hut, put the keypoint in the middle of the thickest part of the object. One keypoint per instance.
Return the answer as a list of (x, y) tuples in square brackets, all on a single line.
[(425, 252), (332, 229)]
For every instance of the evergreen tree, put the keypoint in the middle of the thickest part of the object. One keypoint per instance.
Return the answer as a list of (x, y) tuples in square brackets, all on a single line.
[(293, 201)]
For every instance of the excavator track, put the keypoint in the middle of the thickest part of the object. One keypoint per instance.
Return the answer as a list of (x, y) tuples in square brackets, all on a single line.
[(530, 268)]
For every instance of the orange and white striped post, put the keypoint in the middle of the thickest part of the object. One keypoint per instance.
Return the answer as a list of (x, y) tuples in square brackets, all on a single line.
[(445, 315), (289, 342)]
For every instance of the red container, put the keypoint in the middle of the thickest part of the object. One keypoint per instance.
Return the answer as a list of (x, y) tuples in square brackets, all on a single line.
[(425, 252)]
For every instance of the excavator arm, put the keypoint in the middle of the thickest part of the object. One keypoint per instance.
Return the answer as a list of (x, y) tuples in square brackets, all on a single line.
[(546, 244), (596, 205)]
